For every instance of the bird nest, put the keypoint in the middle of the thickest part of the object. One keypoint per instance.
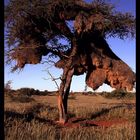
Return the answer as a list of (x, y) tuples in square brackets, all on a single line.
[(102, 68), (27, 55)]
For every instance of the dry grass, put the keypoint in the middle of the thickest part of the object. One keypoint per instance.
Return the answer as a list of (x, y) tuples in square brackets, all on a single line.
[(33, 120)]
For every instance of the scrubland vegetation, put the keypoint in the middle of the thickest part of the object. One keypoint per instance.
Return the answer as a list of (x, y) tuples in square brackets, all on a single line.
[(31, 115)]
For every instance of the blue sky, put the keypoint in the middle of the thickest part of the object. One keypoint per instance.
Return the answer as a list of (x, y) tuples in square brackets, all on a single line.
[(33, 76)]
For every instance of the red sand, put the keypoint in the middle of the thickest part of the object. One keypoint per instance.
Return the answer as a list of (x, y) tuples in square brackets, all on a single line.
[(80, 122)]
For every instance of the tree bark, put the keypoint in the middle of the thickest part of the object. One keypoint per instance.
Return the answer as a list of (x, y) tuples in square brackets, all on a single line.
[(67, 88), (63, 97), (65, 85)]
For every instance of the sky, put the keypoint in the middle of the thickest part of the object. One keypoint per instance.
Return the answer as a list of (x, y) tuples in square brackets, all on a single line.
[(32, 76)]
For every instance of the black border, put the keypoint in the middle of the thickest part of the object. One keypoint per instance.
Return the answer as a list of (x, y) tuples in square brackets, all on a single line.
[(1, 69)]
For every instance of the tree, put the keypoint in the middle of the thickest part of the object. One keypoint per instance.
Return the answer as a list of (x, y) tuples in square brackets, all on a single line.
[(34, 28), (8, 86)]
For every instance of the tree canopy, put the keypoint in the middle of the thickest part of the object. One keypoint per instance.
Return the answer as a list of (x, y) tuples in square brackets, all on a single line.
[(34, 27)]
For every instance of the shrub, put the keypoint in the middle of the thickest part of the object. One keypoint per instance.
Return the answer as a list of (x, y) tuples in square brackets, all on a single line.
[(28, 91), (118, 94)]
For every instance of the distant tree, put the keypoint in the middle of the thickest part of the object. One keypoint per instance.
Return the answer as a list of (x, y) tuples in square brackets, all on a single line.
[(35, 28), (8, 85)]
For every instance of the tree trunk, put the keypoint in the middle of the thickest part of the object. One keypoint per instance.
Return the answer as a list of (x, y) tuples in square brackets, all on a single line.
[(63, 97), (65, 84), (67, 88)]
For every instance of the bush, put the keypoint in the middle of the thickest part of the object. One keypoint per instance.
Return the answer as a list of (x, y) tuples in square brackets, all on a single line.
[(27, 91), (118, 94)]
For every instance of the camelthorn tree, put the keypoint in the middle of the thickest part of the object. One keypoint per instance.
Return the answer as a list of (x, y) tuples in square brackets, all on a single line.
[(35, 28)]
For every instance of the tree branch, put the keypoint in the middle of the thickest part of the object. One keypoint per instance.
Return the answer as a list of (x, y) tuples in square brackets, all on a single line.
[(53, 79)]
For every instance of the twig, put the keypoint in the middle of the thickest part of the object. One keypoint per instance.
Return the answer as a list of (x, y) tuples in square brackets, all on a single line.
[(53, 79)]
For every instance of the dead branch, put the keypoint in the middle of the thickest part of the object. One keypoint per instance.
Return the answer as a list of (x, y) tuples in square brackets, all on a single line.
[(53, 79)]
